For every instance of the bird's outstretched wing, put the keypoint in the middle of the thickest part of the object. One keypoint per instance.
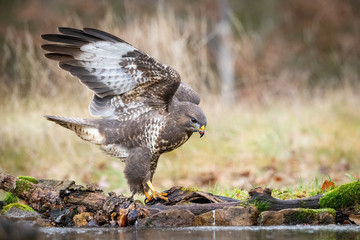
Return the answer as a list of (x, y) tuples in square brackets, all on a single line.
[(186, 94), (126, 82)]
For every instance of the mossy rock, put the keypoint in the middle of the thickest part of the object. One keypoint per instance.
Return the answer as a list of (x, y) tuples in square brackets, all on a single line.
[(307, 216), (19, 206), (346, 195), (294, 216)]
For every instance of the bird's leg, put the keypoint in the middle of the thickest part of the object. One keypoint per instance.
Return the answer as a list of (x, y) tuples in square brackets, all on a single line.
[(155, 194), (131, 198)]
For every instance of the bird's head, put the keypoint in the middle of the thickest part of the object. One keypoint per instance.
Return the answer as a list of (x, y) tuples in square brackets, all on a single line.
[(197, 126), (193, 118)]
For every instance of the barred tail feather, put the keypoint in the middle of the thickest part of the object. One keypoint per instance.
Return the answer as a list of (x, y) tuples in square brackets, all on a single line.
[(86, 129)]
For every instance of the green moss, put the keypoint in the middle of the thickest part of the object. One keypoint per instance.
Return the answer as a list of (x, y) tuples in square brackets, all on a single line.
[(188, 189), (313, 212), (306, 215), (328, 210), (261, 205), (245, 204), (343, 196), (10, 198), (29, 179), (19, 206), (21, 186)]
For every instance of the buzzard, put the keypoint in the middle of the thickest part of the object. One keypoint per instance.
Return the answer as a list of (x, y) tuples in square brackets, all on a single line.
[(143, 107)]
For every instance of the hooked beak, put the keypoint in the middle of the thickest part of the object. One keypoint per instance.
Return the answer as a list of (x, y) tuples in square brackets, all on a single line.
[(202, 130)]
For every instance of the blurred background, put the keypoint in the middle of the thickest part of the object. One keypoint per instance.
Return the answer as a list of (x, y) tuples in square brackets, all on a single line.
[(278, 80)]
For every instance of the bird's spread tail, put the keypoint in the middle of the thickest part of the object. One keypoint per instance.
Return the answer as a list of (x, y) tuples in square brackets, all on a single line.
[(86, 129)]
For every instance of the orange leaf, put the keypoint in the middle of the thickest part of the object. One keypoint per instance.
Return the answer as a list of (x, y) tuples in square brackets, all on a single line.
[(327, 185)]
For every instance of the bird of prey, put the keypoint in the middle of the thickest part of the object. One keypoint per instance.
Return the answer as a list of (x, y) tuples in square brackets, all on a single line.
[(143, 107)]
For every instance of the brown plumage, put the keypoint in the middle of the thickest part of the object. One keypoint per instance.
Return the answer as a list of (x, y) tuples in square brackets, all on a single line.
[(144, 107)]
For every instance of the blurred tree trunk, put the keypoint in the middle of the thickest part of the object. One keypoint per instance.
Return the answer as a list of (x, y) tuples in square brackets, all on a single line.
[(225, 58)]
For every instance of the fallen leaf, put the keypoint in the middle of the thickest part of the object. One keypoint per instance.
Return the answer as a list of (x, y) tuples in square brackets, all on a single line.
[(278, 178), (327, 185), (355, 218), (121, 220), (245, 174)]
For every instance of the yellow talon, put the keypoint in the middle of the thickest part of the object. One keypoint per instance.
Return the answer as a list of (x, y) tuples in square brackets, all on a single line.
[(155, 194)]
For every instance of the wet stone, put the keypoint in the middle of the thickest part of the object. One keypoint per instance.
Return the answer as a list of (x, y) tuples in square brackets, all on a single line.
[(171, 218), (15, 214), (297, 216), (62, 217), (33, 218), (101, 218), (231, 216), (132, 217), (93, 223), (16, 230)]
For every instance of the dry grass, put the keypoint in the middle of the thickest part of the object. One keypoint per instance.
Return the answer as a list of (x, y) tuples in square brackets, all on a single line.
[(274, 141), (273, 145)]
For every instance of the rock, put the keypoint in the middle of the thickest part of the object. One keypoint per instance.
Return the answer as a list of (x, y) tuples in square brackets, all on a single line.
[(171, 218), (269, 218), (93, 223), (82, 219), (132, 217), (18, 231), (21, 216), (298, 216), (61, 217), (231, 216), (42, 222), (207, 219), (15, 213), (101, 218)]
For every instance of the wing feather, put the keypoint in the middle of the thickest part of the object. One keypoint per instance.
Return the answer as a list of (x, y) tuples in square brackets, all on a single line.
[(78, 33), (186, 94), (103, 35), (121, 77), (74, 41)]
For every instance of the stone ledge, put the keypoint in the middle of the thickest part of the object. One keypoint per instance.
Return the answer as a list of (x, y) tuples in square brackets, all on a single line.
[(298, 216), (230, 216)]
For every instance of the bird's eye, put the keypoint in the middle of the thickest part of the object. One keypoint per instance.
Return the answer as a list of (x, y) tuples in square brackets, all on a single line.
[(193, 120)]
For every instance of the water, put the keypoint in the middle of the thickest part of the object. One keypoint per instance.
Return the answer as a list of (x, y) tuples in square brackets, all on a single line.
[(214, 222), (330, 232)]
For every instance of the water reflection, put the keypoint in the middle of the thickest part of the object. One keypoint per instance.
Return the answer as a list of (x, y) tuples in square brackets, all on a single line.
[(247, 233)]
